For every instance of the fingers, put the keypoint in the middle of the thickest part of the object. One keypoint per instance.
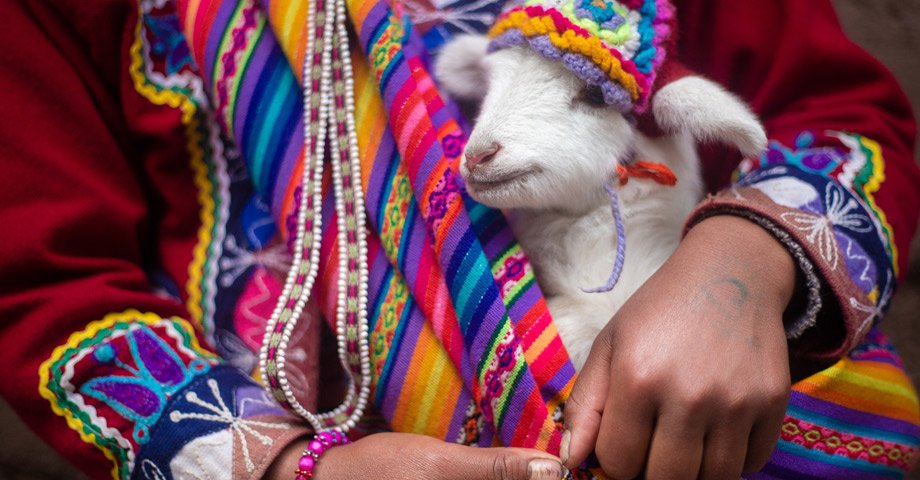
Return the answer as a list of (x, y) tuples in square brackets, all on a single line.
[(461, 462), (725, 450), (585, 405), (403, 456), (766, 430), (763, 440), (626, 431), (676, 450)]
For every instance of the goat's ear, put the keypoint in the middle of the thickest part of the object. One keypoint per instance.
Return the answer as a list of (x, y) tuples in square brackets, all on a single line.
[(460, 67), (707, 111)]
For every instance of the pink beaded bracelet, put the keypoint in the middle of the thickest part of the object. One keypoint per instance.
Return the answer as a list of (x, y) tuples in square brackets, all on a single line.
[(322, 442)]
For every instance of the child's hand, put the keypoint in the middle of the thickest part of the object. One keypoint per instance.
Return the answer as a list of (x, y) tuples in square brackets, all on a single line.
[(405, 456), (690, 379)]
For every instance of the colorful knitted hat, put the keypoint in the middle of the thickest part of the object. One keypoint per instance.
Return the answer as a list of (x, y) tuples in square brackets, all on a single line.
[(618, 46)]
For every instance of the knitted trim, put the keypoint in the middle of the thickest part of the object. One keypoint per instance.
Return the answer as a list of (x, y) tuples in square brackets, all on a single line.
[(626, 82), (615, 93), (809, 317)]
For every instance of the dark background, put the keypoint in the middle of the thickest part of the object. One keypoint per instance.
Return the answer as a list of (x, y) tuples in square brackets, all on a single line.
[(890, 29)]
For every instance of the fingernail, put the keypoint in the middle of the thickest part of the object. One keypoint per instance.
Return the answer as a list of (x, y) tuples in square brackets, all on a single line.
[(544, 469), (564, 446)]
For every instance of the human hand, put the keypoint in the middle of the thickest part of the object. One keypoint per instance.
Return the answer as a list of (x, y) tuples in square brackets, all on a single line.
[(404, 456), (690, 379)]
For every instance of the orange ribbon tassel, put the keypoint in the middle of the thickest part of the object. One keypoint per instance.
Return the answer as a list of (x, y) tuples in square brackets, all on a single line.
[(658, 172)]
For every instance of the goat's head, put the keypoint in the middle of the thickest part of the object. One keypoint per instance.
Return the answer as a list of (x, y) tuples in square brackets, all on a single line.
[(545, 139)]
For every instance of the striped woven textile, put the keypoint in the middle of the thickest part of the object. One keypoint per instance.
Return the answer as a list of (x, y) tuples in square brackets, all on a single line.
[(462, 344)]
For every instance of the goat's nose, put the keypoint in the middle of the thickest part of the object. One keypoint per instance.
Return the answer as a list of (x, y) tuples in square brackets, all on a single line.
[(475, 158)]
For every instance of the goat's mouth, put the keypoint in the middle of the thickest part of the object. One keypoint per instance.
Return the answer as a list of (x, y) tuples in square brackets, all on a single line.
[(481, 182)]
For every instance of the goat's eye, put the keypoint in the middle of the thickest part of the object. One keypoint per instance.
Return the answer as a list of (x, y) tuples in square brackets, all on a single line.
[(592, 95)]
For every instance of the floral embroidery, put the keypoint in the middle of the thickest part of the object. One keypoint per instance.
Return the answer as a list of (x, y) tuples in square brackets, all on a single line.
[(473, 425), (828, 194), (452, 16), (453, 145), (443, 195), (838, 218), (497, 376), (856, 164), (117, 375), (512, 272), (138, 390)]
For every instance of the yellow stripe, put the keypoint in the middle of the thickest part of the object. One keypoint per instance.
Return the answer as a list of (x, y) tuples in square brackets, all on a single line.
[(878, 377), (370, 118), (432, 402), (420, 370), (872, 186), (289, 22)]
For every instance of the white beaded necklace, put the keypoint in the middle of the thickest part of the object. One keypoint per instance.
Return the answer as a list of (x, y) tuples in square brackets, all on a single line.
[(328, 87)]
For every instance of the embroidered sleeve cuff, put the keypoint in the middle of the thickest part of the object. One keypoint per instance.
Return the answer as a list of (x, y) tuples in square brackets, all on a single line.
[(222, 425), (839, 274)]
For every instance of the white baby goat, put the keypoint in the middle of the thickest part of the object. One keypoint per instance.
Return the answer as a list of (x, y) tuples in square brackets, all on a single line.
[(545, 146)]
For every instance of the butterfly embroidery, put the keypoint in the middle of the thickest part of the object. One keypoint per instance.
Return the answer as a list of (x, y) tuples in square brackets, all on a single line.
[(141, 393)]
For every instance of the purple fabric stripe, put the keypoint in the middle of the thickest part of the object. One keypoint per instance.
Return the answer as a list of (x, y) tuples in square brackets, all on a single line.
[(288, 161), (498, 243), (215, 37), (414, 241), (459, 416), (377, 271), (526, 301), (375, 16), (807, 402), (559, 380), (880, 357), (246, 92), (518, 400), (429, 161), (398, 76), (379, 174)]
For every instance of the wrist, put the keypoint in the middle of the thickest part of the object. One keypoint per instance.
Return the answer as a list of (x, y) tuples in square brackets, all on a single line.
[(735, 245)]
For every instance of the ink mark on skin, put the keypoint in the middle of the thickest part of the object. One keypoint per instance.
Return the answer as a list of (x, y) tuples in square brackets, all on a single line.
[(729, 295), (743, 293)]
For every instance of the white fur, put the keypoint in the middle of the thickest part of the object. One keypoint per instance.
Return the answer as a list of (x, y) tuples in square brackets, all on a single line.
[(558, 153)]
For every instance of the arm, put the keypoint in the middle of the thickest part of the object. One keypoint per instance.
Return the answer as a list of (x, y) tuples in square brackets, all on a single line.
[(696, 387), (842, 139), (99, 365)]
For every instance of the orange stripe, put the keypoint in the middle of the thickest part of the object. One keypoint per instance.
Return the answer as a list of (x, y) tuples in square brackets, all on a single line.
[(862, 399)]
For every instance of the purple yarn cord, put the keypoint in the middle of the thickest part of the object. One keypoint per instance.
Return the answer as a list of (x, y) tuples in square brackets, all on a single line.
[(621, 245)]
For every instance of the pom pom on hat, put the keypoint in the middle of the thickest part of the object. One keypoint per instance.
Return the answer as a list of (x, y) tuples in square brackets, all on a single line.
[(618, 46)]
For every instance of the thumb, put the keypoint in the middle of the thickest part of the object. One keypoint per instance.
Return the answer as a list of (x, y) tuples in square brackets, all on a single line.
[(585, 405), (499, 464), (405, 456)]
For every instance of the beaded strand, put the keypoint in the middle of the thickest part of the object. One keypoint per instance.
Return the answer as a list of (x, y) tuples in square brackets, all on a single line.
[(320, 444), (328, 111)]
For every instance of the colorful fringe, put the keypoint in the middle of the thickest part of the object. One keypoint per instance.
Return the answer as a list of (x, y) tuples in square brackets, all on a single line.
[(462, 344)]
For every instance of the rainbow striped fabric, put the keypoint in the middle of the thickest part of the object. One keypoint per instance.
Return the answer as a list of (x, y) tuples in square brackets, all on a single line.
[(463, 347)]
